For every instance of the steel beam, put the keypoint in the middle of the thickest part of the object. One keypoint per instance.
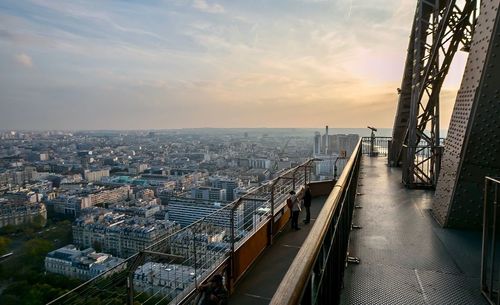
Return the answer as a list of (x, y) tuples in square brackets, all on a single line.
[(472, 147), (438, 29)]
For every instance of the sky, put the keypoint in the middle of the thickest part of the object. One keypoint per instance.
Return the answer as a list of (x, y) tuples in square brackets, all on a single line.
[(205, 63)]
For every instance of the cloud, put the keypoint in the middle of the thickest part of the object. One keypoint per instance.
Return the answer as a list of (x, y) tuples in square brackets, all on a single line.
[(292, 63), (204, 6), (24, 60), (95, 16)]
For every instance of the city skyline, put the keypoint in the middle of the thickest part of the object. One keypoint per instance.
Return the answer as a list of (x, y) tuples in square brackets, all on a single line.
[(201, 63)]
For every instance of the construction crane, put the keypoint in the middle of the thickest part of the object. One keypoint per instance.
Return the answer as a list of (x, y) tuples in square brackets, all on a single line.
[(280, 154)]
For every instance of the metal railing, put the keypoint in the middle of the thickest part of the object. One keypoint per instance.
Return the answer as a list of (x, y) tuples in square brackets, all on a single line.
[(425, 166), (315, 276), (169, 271), (375, 146), (490, 262)]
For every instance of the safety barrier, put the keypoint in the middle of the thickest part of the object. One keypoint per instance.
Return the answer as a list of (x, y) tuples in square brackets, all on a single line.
[(490, 263), (315, 276)]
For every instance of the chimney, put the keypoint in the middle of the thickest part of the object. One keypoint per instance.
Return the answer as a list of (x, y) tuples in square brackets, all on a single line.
[(326, 141)]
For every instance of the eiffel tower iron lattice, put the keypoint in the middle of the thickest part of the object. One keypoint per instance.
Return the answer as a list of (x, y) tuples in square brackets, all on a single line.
[(439, 28)]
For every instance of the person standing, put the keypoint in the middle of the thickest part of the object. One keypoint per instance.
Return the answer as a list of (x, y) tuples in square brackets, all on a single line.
[(307, 204), (213, 293), (295, 207)]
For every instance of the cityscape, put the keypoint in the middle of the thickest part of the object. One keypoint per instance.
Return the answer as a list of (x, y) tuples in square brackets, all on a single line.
[(86, 201), (236, 152)]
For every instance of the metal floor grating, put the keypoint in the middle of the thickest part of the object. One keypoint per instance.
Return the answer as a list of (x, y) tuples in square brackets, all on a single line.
[(406, 258), (381, 285)]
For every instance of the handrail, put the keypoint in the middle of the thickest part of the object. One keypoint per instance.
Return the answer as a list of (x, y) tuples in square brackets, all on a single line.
[(163, 242), (294, 283), (495, 180), (489, 253)]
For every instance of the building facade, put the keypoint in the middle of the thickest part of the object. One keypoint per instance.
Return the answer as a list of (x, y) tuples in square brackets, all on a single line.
[(225, 183), (112, 195), (17, 213), (186, 211), (209, 193), (166, 280), (83, 265), (71, 205), (119, 234), (95, 175)]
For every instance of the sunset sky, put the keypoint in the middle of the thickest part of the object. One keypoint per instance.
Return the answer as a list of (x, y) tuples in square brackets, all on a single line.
[(204, 63)]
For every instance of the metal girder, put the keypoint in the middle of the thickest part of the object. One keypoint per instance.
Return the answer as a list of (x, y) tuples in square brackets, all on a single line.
[(473, 143), (439, 28)]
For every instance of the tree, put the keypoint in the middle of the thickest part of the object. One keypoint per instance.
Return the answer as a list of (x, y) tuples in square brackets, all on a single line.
[(35, 251), (4, 245), (37, 247), (38, 222)]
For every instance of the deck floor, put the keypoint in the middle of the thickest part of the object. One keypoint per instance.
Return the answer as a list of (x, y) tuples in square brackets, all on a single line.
[(406, 257), (259, 284)]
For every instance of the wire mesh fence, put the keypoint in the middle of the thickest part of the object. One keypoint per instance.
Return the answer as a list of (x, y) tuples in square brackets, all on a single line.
[(170, 270)]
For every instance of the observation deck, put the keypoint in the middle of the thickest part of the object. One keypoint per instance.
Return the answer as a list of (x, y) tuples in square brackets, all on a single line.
[(261, 281), (406, 257)]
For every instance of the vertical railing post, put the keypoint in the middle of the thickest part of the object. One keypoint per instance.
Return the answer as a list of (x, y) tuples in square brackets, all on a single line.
[(305, 174), (308, 295), (138, 260), (130, 288), (232, 256), (372, 143), (310, 172), (489, 278), (485, 237), (270, 237), (493, 242), (496, 205), (194, 256)]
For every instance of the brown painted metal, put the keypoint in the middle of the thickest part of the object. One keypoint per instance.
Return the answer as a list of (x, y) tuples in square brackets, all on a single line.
[(296, 279), (245, 255)]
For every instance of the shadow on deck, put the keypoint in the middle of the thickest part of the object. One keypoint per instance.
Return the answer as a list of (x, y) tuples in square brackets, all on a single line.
[(406, 257), (260, 282)]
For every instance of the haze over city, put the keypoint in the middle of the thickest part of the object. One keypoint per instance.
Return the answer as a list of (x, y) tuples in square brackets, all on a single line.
[(249, 152), (204, 63)]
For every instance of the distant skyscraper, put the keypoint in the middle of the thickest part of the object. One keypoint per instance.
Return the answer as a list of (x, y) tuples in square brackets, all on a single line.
[(209, 193), (343, 142), (317, 143), (225, 183), (327, 140)]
